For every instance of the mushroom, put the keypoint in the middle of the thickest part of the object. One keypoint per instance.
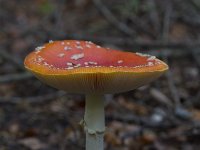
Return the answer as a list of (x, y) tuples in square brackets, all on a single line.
[(84, 67)]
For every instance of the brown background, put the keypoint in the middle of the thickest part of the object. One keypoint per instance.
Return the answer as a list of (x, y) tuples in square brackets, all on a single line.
[(163, 115)]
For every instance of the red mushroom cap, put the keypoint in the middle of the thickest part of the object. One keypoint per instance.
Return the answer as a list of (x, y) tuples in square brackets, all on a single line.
[(84, 67)]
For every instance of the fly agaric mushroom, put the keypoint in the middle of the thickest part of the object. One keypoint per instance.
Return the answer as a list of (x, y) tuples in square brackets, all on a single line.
[(83, 67)]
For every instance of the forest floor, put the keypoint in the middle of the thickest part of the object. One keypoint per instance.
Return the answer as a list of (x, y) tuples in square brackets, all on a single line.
[(164, 115)]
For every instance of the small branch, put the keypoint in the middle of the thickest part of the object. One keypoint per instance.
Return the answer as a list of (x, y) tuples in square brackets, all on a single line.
[(11, 59), (172, 87), (112, 19), (133, 43), (165, 38), (161, 97), (196, 57), (33, 100), (154, 15), (15, 77), (142, 121)]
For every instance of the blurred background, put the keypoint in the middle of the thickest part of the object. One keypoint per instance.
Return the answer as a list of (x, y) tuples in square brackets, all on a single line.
[(164, 115)]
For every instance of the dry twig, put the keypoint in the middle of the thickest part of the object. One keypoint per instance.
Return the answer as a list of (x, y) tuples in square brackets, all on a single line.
[(15, 77), (166, 24), (112, 19), (121, 41), (33, 100), (11, 59)]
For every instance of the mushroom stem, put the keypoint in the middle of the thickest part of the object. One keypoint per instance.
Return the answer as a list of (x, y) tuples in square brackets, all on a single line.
[(94, 121)]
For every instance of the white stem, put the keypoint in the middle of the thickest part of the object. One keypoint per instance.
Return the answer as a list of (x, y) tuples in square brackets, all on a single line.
[(94, 121)]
